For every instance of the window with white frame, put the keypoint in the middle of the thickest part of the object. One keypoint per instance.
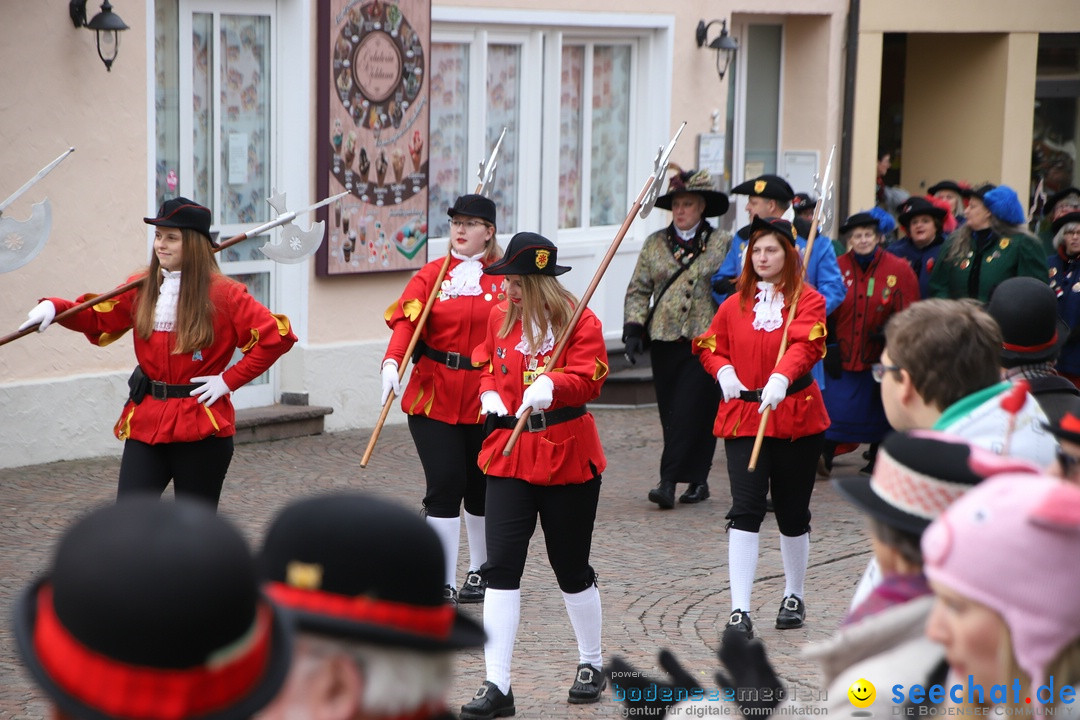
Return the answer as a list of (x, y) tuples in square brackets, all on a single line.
[(487, 79)]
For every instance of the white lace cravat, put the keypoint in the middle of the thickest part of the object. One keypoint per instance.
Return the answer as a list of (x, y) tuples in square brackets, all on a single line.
[(168, 295), (464, 279), (545, 347), (767, 309)]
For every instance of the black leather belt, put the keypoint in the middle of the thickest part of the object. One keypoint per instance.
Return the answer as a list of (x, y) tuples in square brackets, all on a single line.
[(801, 383), (451, 360), (164, 391), (541, 420)]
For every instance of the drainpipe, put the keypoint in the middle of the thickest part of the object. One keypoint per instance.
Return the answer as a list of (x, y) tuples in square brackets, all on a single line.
[(851, 51)]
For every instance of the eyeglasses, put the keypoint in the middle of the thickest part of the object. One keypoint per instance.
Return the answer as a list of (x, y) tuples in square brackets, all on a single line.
[(1069, 464), (878, 370), (467, 224)]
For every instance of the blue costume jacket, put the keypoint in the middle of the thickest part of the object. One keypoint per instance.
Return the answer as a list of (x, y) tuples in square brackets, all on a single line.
[(921, 260), (1065, 282)]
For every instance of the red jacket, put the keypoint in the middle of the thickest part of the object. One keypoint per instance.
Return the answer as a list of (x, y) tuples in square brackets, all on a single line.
[(240, 321), (887, 286), (732, 340), (563, 454), (455, 324)]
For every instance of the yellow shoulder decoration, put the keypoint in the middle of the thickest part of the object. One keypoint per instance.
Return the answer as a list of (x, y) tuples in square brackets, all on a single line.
[(105, 305), (600, 371), (818, 331), (389, 312), (252, 342), (284, 325), (706, 341), (412, 309), (109, 338)]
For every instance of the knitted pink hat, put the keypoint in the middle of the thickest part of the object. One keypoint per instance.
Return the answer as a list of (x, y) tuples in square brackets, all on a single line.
[(1011, 543)]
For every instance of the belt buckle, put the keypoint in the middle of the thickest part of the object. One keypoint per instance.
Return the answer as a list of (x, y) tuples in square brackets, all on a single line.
[(453, 360), (541, 426), (159, 390)]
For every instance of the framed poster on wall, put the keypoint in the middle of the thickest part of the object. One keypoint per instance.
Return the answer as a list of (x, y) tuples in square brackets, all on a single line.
[(373, 134)]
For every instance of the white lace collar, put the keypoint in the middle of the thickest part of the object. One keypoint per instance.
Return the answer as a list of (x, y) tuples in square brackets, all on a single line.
[(688, 235), (464, 278), (546, 346), (168, 296), (767, 309)]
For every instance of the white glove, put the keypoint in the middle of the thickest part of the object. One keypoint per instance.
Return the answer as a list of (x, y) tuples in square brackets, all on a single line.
[(42, 314), (492, 404), (774, 391), (537, 396), (730, 384), (213, 388), (390, 380)]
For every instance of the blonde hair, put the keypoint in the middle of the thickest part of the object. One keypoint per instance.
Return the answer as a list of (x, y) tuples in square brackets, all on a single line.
[(194, 309), (960, 242), (544, 302)]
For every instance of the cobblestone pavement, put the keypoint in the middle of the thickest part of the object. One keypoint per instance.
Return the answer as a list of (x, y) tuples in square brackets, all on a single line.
[(662, 574)]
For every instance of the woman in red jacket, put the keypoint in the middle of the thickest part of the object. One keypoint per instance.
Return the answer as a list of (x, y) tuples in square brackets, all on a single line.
[(188, 318), (553, 471), (740, 349), (440, 398)]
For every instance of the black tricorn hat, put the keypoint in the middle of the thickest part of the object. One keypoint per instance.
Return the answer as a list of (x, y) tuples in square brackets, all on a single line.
[(355, 566), (916, 205), (1026, 310), (773, 187), (179, 212), (860, 219), (1053, 200), (476, 206), (947, 185), (528, 254), (1067, 427), (152, 610), (697, 182), (917, 475), (779, 226), (1071, 217)]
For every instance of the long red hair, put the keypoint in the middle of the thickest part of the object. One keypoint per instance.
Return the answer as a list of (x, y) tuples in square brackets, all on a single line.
[(791, 276)]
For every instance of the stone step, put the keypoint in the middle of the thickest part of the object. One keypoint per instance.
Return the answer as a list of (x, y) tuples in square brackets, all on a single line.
[(627, 385), (292, 418)]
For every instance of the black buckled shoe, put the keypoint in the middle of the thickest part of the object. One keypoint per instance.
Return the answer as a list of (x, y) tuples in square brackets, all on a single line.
[(587, 686), (695, 494), (740, 622), (488, 703), (663, 495), (472, 590), (792, 613), (449, 595)]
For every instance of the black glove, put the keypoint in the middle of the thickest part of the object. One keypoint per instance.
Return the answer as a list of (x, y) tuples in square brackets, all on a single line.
[(645, 697), (634, 341), (723, 286), (834, 364), (752, 679)]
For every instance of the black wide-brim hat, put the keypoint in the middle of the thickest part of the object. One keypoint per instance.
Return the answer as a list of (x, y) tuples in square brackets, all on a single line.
[(476, 206), (695, 182), (179, 212), (916, 205), (1067, 427), (528, 253), (152, 611), (773, 187), (947, 185), (860, 219), (1072, 217), (352, 565), (779, 226), (917, 474), (1026, 310)]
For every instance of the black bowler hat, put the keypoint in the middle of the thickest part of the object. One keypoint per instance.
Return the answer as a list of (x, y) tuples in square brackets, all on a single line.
[(476, 206), (1026, 311), (180, 212), (917, 474), (528, 254), (773, 187), (779, 226), (152, 610), (697, 182), (1068, 426), (860, 219), (947, 185), (916, 205), (1072, 217), (802, 202), (980, 192), (1053, 200), (355, 566)]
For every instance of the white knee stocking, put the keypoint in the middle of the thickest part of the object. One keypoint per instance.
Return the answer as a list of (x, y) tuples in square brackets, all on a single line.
[(742, 565), (474, 532), (449, 532), (796, 554), (502, 611), (586, 618)]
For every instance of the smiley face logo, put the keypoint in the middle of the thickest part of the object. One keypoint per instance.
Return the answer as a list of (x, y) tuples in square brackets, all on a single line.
[(862, 693)]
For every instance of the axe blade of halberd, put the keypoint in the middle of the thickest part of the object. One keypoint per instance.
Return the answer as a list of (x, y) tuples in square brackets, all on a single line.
[(294, 245), (21, 241)]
